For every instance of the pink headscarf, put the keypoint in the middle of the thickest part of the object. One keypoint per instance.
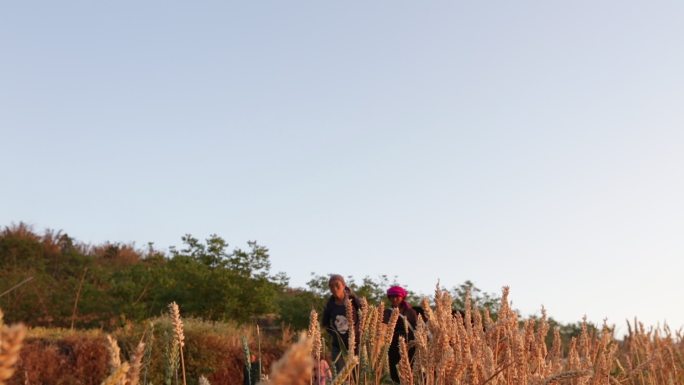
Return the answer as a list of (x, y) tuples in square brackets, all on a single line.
[(398, 291)]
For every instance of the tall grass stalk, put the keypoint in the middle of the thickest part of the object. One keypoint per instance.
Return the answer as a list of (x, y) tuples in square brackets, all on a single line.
[(180, 336)]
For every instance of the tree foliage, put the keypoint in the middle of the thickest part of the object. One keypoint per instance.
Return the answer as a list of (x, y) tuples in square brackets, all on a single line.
[(478, 298), (111, 284), (108, 284)]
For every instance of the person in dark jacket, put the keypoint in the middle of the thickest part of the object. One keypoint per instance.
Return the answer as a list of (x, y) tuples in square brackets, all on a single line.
[(404, 328), (335, 319), (252, 371)]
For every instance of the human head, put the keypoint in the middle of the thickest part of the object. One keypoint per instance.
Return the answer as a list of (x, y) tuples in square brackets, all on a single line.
[(337, 286), (396, 295)]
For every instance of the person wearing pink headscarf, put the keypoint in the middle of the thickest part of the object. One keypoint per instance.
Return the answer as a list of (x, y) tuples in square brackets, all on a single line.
[(404, 328)]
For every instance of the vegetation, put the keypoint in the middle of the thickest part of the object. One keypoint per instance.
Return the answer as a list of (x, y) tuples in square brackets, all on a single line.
[(475, 349), (52, 280), (107, 314), (77, 285)]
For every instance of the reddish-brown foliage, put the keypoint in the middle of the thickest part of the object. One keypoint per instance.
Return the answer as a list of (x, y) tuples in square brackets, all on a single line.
[(72, 361), (83, 360)]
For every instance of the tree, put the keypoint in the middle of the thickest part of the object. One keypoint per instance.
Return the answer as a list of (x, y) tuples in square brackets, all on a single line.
[(479, 299), (217, 284), (295, 305), (373, 289)]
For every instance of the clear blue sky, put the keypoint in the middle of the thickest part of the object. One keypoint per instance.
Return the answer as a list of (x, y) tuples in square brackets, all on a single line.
[(536, 144)]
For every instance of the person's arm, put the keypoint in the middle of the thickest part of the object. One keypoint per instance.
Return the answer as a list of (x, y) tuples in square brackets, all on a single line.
[(327, 372), (356, 306), (326, 318), (386, 315), (245, 375), (412, 317)]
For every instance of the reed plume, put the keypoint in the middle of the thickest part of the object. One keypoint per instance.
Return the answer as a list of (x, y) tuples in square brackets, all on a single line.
[(180, 336), (11, 341), (118, 376), (295, 367), (133, 375), (114, 354)]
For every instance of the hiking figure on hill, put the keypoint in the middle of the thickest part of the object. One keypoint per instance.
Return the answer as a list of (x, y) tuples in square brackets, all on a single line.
[(335, 318), (404, 327), (252, 371)]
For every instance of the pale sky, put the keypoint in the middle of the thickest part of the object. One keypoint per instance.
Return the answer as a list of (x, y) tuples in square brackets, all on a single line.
[(535, 144)]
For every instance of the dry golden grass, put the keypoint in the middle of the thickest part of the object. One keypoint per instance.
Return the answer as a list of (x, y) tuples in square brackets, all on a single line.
[(475, 350), (133, 375), (449, 349), (180, 335), (295, 367), (314, 334), (123, 373), (404, 365), (11, 339), (352, 328), (118, 377), (347, 373), (114, 354), (177, 323)]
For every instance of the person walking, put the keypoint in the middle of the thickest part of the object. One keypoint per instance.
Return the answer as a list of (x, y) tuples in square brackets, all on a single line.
[(404, 327), (335, 319)]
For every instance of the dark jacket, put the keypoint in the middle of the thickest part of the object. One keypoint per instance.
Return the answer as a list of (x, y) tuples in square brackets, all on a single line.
[(335, 320), (404, 328), (251, 374), (407, 314)]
